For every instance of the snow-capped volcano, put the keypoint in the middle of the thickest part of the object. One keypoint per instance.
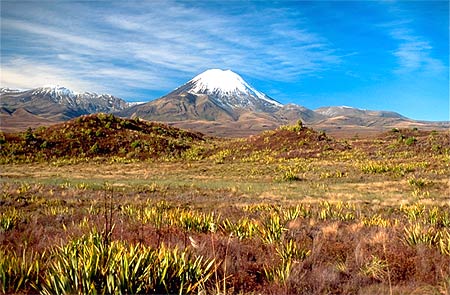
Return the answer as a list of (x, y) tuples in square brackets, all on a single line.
[(228, 89), (224, 83), (214, 95)]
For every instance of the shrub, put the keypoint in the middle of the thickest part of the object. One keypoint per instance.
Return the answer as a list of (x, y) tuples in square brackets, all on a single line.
[(70, 135), (125, 123), (219, 157), (9, 219), (418, 234), (272, 229), (199, 222), (18, 272), (410, 140), (193, 154), (242, 229), (376, 268), (287, 174), (88, 132), (289, 254), (379, 168), (94, 148), (135, 144), (101, 116), (44, 145), (293, 128), (28, 135), (417, 182)]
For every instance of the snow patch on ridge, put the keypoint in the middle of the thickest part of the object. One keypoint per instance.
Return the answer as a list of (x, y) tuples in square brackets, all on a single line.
[(9, 90)]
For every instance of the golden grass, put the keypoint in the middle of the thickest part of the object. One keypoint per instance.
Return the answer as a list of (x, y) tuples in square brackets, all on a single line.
[(357, 223)]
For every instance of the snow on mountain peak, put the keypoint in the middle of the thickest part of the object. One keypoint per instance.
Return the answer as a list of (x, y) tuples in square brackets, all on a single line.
[(223, 80), (56, 91), (223, 83)]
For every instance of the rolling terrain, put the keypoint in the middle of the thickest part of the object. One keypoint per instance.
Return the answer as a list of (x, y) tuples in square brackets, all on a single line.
[(290, 210)]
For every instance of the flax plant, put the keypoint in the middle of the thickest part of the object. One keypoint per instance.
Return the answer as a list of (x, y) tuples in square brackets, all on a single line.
[(91, 266)]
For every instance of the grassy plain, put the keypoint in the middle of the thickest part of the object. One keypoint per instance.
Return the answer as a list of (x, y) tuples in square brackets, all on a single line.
[(290, 211)]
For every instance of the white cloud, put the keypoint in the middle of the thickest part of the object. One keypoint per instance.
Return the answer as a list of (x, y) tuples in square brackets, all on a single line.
[(26, 74), (414, 53), (51, 33), (149, 46)]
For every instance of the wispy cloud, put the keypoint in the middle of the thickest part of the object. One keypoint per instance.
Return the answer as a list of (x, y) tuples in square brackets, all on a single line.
[(414, 52), (26, 74), (152, 45), (51, 33)]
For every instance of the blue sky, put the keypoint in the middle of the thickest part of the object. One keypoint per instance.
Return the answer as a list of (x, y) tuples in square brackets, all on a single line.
[(387, 55)]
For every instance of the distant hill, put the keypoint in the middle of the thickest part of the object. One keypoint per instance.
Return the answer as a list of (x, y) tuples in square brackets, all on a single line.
[(287, 141), (347, 120)]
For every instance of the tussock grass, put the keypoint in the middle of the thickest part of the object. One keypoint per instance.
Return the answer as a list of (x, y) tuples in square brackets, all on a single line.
[(230, 216)]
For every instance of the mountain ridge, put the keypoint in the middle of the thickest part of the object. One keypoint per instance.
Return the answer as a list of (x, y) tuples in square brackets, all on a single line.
[(50, 104), (215, 102)]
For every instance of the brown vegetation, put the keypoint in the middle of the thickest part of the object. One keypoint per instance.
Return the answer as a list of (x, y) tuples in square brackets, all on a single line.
[(290, 211), (98, 135)]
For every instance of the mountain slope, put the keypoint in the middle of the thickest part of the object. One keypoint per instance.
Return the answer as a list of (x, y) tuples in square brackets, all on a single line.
[(53, 104), (20, 119), (181, 107), (215, 102), (291, 113), (214, 95)]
